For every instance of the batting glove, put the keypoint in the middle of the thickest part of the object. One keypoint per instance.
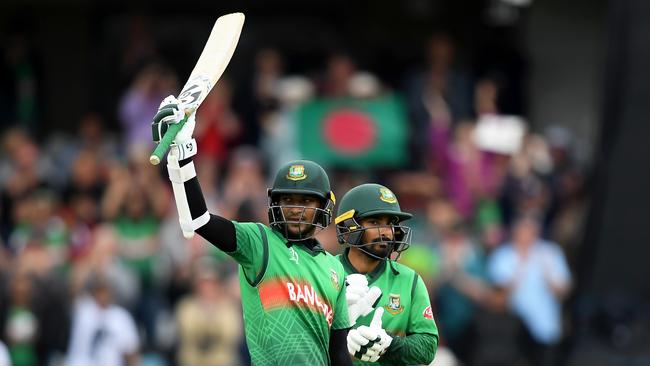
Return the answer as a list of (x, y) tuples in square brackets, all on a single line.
[(369, 343), (360, 299), (171, 111)]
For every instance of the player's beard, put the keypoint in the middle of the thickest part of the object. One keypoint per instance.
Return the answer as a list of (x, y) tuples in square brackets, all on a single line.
[(299, 231), (379, 248)]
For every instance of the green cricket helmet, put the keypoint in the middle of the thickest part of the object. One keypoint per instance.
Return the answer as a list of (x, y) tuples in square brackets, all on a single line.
[(372, 200), (307, 178)]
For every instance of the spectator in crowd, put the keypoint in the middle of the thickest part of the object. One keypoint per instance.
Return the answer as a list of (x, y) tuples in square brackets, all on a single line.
[(568, 202), (525, 190), (244, 197), (22, 170), (489, 226), (278, 136), (209, 321), (568, 225), (92, 138), (338, 74), (92, 135), (21, 326), (141, 100), (534, 276), (257, 98), (39, 226), (103, 334), (468, 174), (86, 176), (102, 259), (441, 93), (441, 216), (459, 289), (38, 293), (218, 128)]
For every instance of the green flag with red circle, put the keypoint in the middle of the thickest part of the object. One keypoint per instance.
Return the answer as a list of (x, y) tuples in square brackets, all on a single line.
[(354, 133)]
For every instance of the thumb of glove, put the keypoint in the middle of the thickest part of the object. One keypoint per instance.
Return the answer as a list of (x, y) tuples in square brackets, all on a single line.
[(356, 279), (373, 295), (185, 134), (376, 319)]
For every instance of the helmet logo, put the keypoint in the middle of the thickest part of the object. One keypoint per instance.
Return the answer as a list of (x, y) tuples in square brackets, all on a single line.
[(296, 172), (386, 195)]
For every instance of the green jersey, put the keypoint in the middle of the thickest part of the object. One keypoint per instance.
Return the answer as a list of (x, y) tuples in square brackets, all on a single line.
[(292, 297), (405, 299)]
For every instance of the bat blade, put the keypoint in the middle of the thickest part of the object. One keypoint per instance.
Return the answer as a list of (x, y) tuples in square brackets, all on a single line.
[(208, 69)]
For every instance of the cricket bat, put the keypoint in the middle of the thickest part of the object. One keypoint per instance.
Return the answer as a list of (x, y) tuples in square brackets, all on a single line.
[(215, 57)]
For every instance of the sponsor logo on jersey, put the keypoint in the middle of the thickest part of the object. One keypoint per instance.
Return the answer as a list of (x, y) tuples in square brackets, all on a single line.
[(294, 255), (428, 313), (394, 305), (305, 294), (296, 172), (386, 195), (335, 278)]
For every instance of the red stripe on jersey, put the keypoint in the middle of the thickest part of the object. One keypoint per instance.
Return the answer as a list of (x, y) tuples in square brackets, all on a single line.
[(274, 294), (284, 293)]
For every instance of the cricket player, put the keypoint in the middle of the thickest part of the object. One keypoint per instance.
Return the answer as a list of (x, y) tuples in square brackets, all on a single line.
[(292, 291), (402, 330)]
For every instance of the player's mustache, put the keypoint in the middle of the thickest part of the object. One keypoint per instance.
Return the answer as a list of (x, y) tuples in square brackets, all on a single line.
[(381, 240)]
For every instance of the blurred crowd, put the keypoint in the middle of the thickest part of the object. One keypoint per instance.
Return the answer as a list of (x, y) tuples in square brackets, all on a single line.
[(94, 267)]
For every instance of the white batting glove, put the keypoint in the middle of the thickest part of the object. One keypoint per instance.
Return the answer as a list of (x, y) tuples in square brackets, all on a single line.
[(171, 111), (359, 297), (369, 343)]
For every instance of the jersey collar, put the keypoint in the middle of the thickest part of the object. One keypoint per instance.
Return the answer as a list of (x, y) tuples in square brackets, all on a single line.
[(311, 246), (372, 276)]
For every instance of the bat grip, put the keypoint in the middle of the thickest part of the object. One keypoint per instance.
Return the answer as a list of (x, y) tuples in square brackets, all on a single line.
[(166, 141)]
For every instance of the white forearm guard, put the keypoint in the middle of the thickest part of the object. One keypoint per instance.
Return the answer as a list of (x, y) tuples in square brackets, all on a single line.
[(178, 176)]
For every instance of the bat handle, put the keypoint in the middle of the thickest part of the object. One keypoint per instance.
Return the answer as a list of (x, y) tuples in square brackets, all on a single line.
[(166, 141)]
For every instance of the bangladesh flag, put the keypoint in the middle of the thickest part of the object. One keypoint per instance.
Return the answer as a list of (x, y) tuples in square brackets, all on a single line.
[(354, 133)]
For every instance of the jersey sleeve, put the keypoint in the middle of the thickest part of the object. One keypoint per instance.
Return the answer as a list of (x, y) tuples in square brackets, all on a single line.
[(341, 320), (251, 251), (421, 316)]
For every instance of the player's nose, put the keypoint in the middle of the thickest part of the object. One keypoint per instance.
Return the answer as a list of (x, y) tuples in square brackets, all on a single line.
[(296, 211), (386, 232)]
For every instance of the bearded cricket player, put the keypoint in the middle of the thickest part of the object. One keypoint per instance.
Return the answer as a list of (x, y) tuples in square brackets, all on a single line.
[(292, 290), (401, 331)]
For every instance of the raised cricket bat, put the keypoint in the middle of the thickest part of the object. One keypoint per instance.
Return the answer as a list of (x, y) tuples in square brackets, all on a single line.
[(208, 69)]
